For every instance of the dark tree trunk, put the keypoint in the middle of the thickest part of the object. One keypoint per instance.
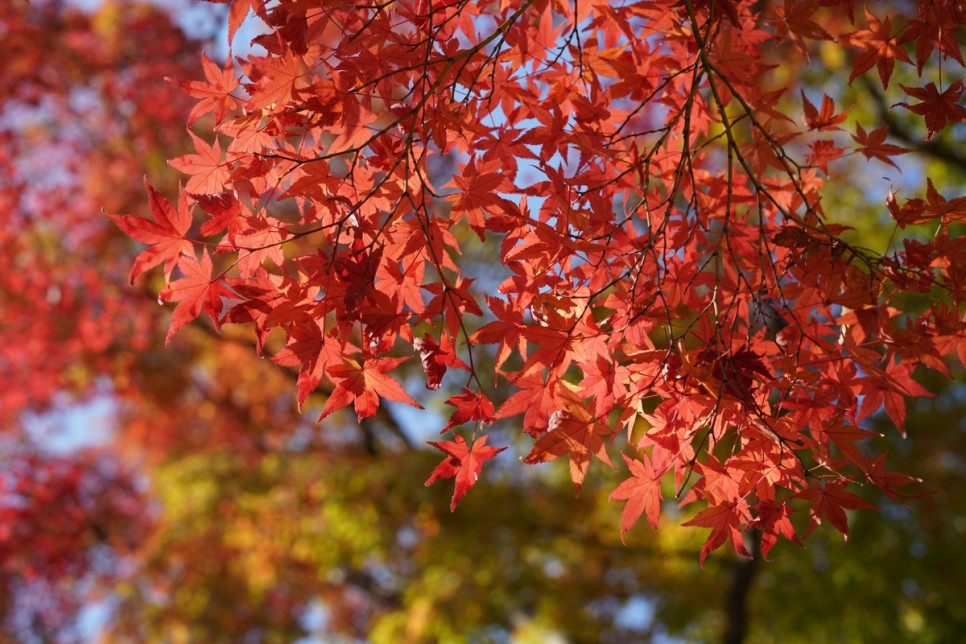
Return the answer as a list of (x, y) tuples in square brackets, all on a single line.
[(736, 603)]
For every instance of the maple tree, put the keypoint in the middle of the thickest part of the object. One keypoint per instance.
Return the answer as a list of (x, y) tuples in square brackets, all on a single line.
[(667, 269), (71, 517), (213, 510)]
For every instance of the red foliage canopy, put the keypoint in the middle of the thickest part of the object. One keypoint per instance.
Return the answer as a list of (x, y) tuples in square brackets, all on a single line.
[(666, 268)]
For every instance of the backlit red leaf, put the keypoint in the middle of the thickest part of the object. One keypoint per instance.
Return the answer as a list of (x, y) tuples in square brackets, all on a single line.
[(165, 235), (463, 462)]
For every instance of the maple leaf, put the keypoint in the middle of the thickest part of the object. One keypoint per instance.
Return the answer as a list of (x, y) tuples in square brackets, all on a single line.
[(919, 211), (873, 145), (846, 437), (507, 330), (274, 79), (830, 502), (436, 358), (604, 380), (226, 213), (714, 6), (642, 492), (735, 373), (197, 291), (165, 235), (463, 462), (823, 152), (576, 434), (909, 213), (215, 94), (937, 207), (725, 521), (238, 12), (208, 172), (927, 32), (794, 19), (406, 284), (451, 301), (889, 389), (774, 521), (556, 349), (477, 191), (362, 382), (879, 48), (937, 108), (888, 480), (536, 400), (826, 119), (311, 351), (470, 405), (357, 270)]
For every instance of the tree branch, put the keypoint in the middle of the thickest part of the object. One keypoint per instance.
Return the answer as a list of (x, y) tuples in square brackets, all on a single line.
[(736, 603)]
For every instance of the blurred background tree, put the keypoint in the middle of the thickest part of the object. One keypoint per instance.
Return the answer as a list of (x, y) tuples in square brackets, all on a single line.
[(178, 495)]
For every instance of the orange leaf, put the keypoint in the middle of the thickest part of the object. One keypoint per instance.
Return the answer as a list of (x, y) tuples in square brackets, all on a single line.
[(642, 491)]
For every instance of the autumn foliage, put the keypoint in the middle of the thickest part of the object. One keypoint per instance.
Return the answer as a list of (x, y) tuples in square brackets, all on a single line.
[(664, 280)]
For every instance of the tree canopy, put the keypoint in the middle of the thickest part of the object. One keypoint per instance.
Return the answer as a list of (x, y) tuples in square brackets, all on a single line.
[(650, 234)]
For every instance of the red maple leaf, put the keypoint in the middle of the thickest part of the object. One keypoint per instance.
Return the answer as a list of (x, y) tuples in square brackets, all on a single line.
[(909, 213), (478, 190), (506, 330), (165, 235), (889, 389), (575, 434), (239, 11), (215, 93), (311, 351), (846, 437), (929, 31), (274, 79), (725, 521), (827, 119), (437, 357), (714, 6), (197, 291), (822, 153), (830, 502), (873, 145), (774, 521), (463, 462), (938, 108), (793, 20), (888, 480), (642, 491), (362, 382), (938, 207), (879, 48), (208, 173), (470, 405)]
